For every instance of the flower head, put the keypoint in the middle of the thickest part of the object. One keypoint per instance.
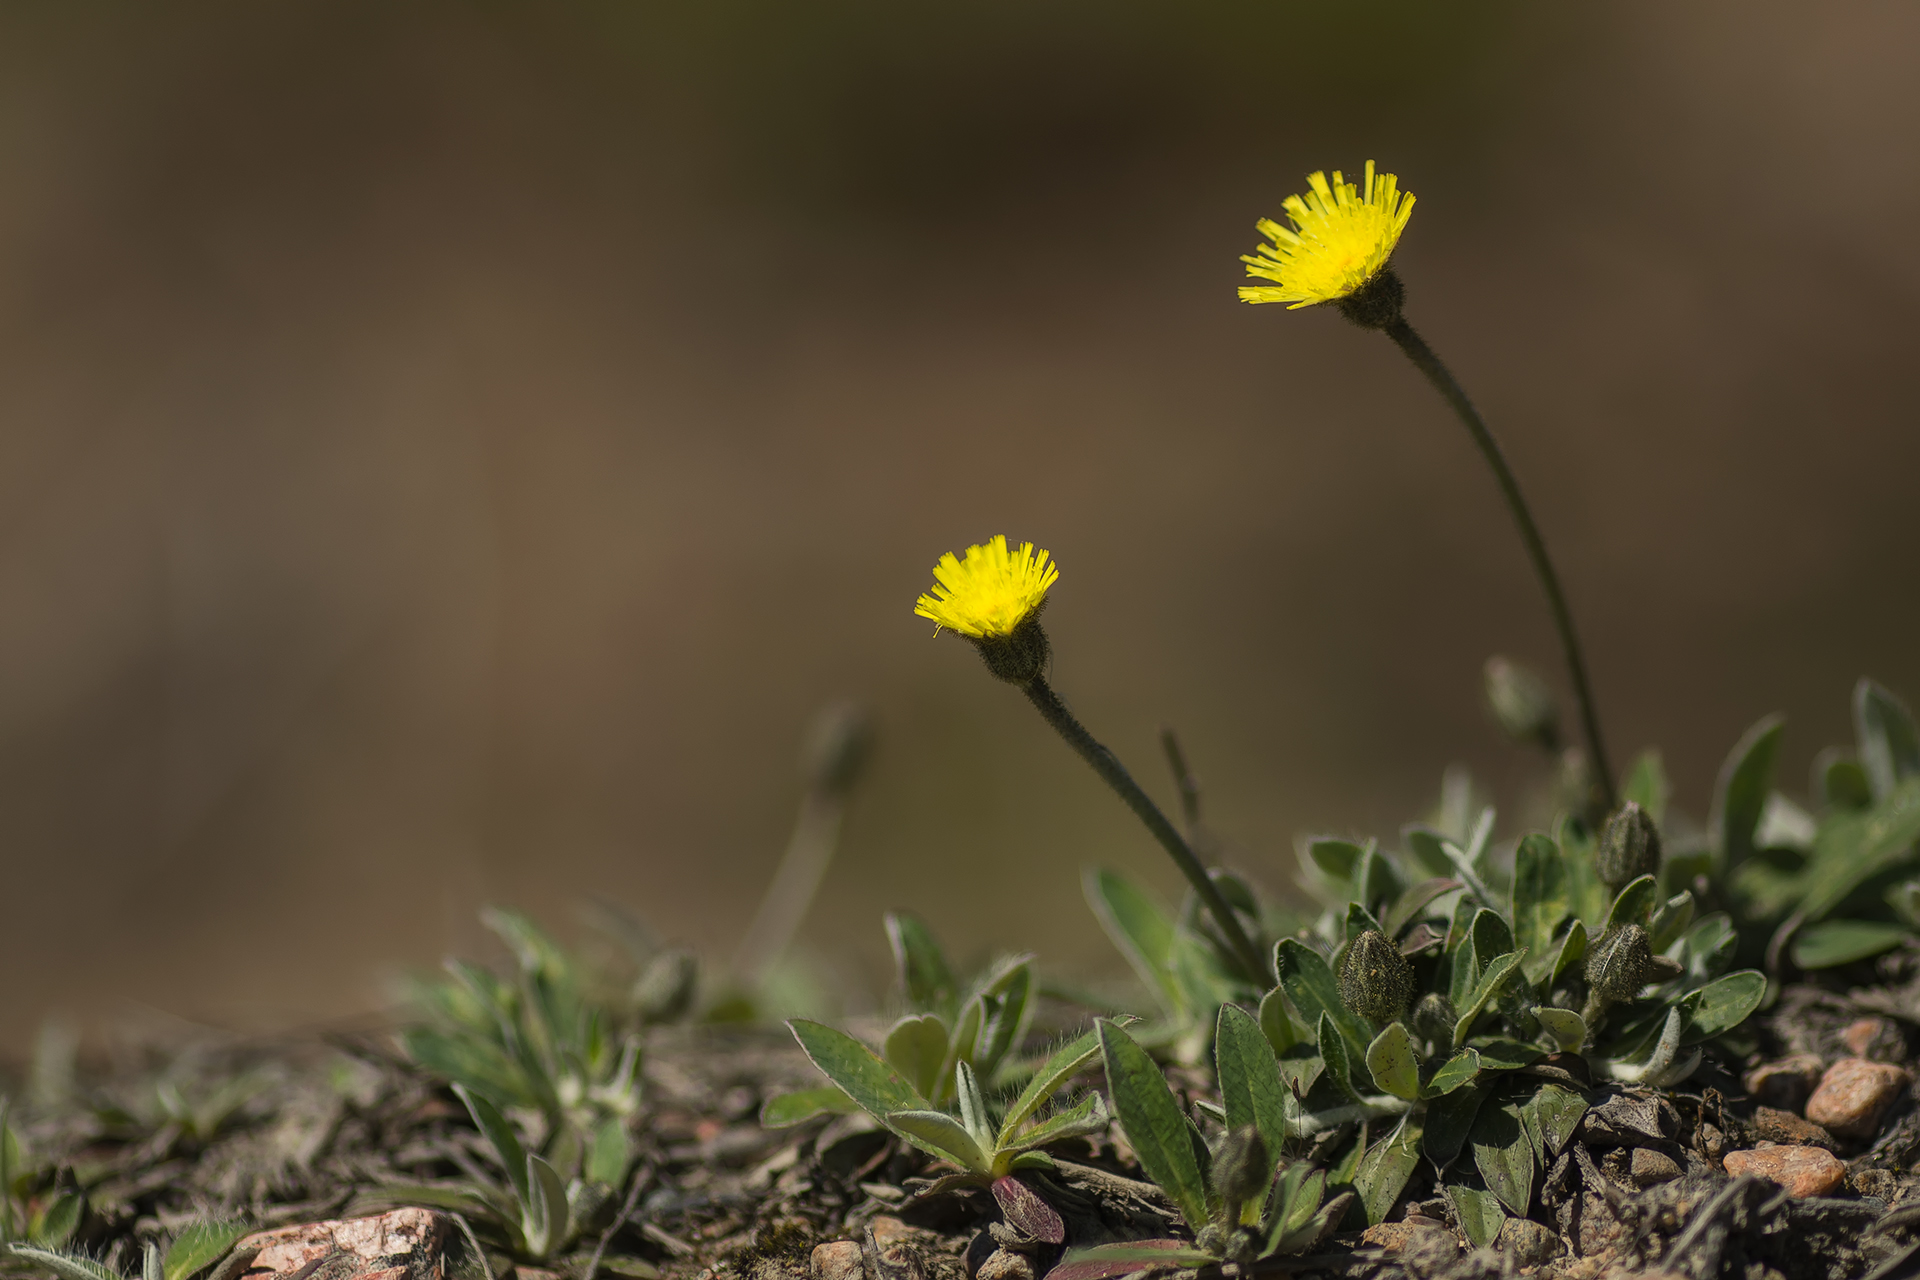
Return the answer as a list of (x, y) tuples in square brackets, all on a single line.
[(989, 593), (1341, 238)]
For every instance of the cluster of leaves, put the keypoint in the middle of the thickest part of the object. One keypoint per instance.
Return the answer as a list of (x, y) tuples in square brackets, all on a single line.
[(46, 1223), (196, 1250), (1840, 881)]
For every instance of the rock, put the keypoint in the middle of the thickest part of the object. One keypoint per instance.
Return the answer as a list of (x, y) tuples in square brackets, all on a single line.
[(1875, 1039), (1785, 1082), (838, 1260), (1528, 1243), (1803, 1171), (1854, 1095), (1390, 1236), (1788, 1129), (1004, 1265), (1712, 1142), (889, 1230), (1650, 1166), (406, 1244), (1881, 1184), (1416, 1235)]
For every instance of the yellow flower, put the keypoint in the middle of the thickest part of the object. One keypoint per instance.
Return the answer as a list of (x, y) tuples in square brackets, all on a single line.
[(990, 592), (1342, 236)]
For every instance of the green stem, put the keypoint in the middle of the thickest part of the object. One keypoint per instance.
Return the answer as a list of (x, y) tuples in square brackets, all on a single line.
[(1449, 388), (1115, 775)]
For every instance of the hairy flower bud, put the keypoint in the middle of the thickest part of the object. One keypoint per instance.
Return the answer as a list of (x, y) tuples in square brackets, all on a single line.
[(1242, 1167), (1522, 703), (1629, 847), (1433, 1018), (1621, 963), (1020, 655), (1375, 979)]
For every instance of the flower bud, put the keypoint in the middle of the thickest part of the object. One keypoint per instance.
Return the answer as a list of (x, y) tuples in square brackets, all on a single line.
[(1242, 1167), (839, 744), (1629, 847), (1621, 963), (1433, 1018), (1522, 703), (1375, 979), (1021, 655)]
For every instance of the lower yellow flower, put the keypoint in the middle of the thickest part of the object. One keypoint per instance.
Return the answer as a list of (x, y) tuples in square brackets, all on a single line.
[(1341, 238), (989, 593)]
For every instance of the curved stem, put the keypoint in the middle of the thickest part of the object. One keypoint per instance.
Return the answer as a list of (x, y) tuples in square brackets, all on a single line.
[(1115, 775), (1444, 382)]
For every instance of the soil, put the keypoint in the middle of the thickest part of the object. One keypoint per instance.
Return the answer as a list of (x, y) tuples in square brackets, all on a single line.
[(321, 1127)]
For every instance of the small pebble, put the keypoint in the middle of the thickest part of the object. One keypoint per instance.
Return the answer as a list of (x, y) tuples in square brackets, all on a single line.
[(1788, 1129), (888, 1230), (1527, 1242), (1854, 1095), (1004, 1265), (1650, 1166), (1785, 1082), (1875, 1039), (838, 1260), (1803, 1171)]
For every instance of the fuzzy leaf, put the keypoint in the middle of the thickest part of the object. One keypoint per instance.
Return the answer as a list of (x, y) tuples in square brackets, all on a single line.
[(1460, 1069), (1333, 1051), (1450, 1120), (199, 1246), (871, 1083), (546, 1219), (1554, 1112), (1412, 904), (1301, 1190), (1669, 921), (1647, 786), (1634, 904), (1310, 984), (1111, 1261), (1722, 1005), (1384, 1170), (500, 1135), (1060, 1066), (1502, 1152), (943, 1135), (1089, 1115), (1479, 1212), (1567, 1029), (1740, 795), (916, 1047), (1393, 1064), (1140, 930), (68, 1266), (1160, 1135), (1541, 896), (1276, 1023), (611, 1151), (784, 1109), (1249, 1077), (1889, 745), (1837, 942), (1497, 973), (921, 966), (1028, 1211)]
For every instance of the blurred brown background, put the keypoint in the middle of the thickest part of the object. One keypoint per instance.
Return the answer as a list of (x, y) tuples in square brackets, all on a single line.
[(448, 451)]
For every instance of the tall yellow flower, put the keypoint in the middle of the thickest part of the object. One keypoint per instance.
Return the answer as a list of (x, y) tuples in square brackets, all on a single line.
[(1341, 238), (991, 592)]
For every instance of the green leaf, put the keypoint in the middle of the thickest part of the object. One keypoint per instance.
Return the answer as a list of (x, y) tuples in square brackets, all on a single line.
[(785, 1109), (1333, 1051), (918, 961), (1450, 1120), (1393, 1064), (1724, 1004), (1089, 1115), (1413, 904), (1479, 1212), (1567, 1029), (1424, 844), (1559, 956), (1008, 991), (1710, 946), (55, 1225), (1502, 1152), (68, 1266), (500, 1135), (1541, 894), (1110, 1261), (1276, 1023), (1140, 929), (150, 1262), (1250, 1088), (1498, 972), (1670, 921), (1554, 1112), (1837, 942), (1854, 848), (199, 1246), (1338, 865), (1889, 745), (1498, 1053), (1310, 984), (857, 1070), (1740, 795), (1302, 1188), (916, 1047), (546, 1221), (1634, 904), (1359, 920), (1160, 1135), (941, 1133), (539, 956), (1647, 786), (1384, 1170), (611, 1151), (973, 1105), (1060, 1066), (1843, 782), (1458, 1070)]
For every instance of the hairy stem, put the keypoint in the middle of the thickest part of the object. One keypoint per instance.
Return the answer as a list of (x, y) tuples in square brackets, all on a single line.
[(1444, 382), (1115, 775)]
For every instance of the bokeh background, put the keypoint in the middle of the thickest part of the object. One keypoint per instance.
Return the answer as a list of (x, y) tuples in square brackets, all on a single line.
[(447, 451)]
